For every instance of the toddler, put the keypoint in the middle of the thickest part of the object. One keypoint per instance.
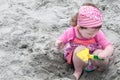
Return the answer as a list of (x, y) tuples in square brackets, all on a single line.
[(85, 32)]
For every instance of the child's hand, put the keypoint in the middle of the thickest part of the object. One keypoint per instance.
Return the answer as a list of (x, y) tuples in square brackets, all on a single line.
[(59, 44), (102, 55)]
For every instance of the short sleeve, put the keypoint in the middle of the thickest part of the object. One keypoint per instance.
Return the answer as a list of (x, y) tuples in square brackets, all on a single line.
[(102, 39), (67, 35)]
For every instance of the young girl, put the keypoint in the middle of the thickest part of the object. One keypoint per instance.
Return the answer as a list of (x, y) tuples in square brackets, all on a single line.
[(85, 32)]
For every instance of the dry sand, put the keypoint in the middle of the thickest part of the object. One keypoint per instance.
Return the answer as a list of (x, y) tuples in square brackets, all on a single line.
[(28, 29)]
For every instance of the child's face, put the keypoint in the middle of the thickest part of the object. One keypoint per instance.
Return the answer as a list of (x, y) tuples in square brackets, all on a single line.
[(88, 32)]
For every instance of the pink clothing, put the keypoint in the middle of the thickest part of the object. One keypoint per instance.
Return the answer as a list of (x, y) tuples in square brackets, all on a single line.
[(89, 16), (69, 36)]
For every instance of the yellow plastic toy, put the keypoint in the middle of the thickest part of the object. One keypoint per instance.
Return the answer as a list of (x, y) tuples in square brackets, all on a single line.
[(85, 56)]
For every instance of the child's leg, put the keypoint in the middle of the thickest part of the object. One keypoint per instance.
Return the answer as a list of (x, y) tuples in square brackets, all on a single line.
[(78, 64), (101, 65)]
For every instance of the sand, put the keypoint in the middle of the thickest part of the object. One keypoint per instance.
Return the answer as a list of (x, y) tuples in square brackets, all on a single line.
[(29, 28)]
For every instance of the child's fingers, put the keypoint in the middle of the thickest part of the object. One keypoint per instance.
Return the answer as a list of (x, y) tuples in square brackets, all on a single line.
[(58, 44), (102, 56)]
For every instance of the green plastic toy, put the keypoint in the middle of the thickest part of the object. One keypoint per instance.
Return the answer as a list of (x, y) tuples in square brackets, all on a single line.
[(85, 55)]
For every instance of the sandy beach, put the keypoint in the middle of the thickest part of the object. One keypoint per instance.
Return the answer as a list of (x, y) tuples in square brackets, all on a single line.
[(29, 28)]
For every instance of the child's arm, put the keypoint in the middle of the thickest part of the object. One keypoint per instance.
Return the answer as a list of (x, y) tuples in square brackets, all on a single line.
[(106, 45), (107, 52), (64, 38)]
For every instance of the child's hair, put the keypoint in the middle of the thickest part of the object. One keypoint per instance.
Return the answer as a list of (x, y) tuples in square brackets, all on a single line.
[(73, 21)]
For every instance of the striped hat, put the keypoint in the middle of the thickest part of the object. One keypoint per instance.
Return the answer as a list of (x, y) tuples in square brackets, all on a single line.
[(89, 16)]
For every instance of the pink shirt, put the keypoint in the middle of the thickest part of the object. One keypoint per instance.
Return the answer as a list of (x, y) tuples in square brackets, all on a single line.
[(99, 37)]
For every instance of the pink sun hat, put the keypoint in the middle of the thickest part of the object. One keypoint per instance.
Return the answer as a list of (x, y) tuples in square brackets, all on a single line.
[(89, 16)]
